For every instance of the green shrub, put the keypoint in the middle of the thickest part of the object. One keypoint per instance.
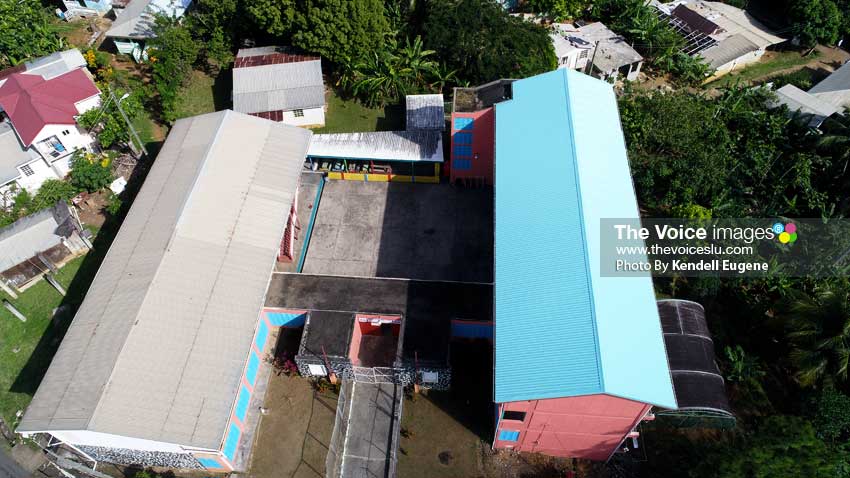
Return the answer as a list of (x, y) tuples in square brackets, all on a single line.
[(51, 191), (91, 172), (113, 207)]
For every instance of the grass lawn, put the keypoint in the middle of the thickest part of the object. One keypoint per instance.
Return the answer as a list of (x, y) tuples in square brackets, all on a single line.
[(204, 94), (771, 65), (19, 340), (26, 348), (351, 116)]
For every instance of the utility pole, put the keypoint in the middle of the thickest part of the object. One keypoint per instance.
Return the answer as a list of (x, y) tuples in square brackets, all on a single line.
[(127, 120), (592, 58)]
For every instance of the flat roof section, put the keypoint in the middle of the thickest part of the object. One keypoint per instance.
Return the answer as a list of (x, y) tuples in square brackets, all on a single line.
[(327, 332), (420, 145), (427, 307), (411, 231)]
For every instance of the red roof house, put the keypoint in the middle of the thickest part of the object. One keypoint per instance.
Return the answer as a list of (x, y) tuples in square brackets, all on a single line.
[(31, 102)]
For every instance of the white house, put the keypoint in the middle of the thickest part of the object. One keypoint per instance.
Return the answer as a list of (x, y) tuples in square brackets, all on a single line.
[(275, 83), (830, 96), (726, 37), (39, 105), (610, 53), (133, 25)]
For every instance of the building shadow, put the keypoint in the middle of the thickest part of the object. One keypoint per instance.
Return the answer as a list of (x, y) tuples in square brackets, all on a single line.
[(223, 90), (441, 237)]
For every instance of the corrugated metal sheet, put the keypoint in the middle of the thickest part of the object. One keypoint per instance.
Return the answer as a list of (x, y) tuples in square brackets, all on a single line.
[(135, 21), (727, 50), (32, 234), (798, 100), (158, 346), (12, 154), (835, 88), (562, 330), (419, 145), (425, 112), (280, 86), (56, 64)]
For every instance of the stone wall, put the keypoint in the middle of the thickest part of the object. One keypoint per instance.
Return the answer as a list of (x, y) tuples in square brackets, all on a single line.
[(125, 456)]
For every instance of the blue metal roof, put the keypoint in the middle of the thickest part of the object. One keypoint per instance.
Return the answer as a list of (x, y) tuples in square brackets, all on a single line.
[(561, 329)]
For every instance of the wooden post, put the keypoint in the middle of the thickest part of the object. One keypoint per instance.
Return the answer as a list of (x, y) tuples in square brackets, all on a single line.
[(56, 285), (331, 375), (415, 371), (11, 308), (8, 289), (50, 265)]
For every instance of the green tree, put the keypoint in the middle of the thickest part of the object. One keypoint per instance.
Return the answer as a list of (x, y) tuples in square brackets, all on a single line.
[(340, 29), (832, 414), (111, 126), (273, 17), (50, 192), (639, 23), (819, 334), (816, 21), (90, 172), (559, 10), (387, 75), (173, 53), (480, 40), (25, 32), (779, 446), (216, 24)]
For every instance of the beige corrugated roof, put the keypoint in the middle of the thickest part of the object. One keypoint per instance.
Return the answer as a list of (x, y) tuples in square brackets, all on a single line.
[(158, 346)]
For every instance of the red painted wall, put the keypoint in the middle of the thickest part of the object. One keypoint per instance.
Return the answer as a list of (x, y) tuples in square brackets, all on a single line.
[(590, 427), (483, 144)]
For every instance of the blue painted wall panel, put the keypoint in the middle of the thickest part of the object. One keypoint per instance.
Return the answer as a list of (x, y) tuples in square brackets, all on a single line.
[(463, 123), (262, 335), (242, 403), (253, 367), (286, 319), (209, 463), (231, 442)]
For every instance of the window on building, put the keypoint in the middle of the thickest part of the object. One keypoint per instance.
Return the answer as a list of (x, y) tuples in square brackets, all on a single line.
[(583, 54), (27, 170), (462, 164), (511, 415), (508, 435), (298, 113), (66, 132)]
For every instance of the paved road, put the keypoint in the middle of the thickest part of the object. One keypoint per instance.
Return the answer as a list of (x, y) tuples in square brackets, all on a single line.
[(9, 468)]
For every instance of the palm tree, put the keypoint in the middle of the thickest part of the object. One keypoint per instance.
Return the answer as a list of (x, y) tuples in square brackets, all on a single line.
[(819, 333), (836, 138), (382, 78), (442, 77), (416, 59)]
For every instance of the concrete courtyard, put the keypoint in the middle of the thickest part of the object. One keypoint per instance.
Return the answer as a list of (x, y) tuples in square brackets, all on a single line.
[(401, 230)]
